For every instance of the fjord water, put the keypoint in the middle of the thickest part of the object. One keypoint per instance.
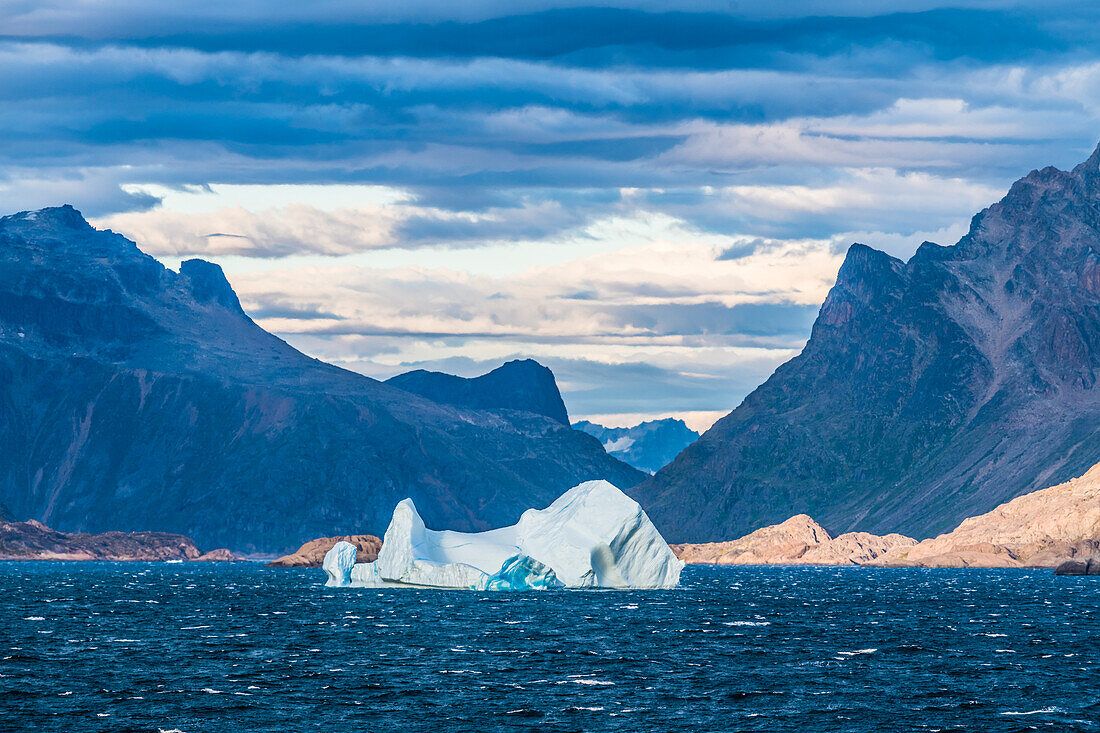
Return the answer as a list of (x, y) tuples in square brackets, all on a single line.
[(195, 647)]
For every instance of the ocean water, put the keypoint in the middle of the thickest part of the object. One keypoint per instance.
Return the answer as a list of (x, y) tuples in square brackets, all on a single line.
[(148, 647)]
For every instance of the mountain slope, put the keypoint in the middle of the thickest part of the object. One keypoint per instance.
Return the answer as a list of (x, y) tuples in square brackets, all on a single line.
[(136, 398), (929, 391), (516, 385), (647, 446)]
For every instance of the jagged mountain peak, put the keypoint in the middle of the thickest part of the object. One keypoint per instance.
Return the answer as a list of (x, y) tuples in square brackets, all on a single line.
[(64, 216), (866, 280), (1090, 167), (63, 229), (864, 266), (208, 284), (72, 290)]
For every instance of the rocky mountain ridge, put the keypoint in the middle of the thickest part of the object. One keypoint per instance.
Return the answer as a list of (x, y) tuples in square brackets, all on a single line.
[(929, 391)]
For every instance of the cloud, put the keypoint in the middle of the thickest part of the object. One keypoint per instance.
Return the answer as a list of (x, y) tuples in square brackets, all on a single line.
[(653, 202), (298, 229), (99, 190), (272, 233), (656, 294), (696, 33), (675, 323)]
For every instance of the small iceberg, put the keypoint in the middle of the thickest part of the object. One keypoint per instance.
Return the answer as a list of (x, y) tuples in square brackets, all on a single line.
[(593, 536)]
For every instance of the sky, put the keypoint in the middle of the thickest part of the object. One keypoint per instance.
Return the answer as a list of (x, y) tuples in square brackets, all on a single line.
[(651, 202)]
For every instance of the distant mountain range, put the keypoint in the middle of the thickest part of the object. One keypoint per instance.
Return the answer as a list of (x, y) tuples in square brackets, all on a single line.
[(137, 398), (648, 446), (929, 391)]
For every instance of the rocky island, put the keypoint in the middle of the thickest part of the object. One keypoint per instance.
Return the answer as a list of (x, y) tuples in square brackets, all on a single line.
[(35, 541)]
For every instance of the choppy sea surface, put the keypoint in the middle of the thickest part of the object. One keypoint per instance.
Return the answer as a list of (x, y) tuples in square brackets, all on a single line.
[(196, 647)]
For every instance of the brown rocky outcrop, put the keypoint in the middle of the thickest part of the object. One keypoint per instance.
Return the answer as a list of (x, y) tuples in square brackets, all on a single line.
[(855, 548), (1053, 527), (35, 541), (1089, 566), (1042, 529), (798, 541), (312, 553), (219, 555)]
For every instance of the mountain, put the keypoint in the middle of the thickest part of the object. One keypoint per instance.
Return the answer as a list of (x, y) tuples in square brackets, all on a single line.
[(137, 398), (929, 391), (517, 385), (648, 446)]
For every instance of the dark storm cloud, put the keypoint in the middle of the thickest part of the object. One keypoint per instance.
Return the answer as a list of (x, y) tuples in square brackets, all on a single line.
[(516, 105), (597, 36)]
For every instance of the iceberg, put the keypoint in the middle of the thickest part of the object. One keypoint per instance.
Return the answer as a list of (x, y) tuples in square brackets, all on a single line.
[(592, 536), (338, 563)]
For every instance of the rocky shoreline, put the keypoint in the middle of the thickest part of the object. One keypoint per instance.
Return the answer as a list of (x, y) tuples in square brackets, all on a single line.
[(33, 540)]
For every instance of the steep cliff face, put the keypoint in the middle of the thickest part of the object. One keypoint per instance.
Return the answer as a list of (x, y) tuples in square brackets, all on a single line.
[(136, 398), (929, 391)]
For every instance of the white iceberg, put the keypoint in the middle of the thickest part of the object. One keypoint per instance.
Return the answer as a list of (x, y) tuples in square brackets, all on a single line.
[(593, 536), (338, 563)]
